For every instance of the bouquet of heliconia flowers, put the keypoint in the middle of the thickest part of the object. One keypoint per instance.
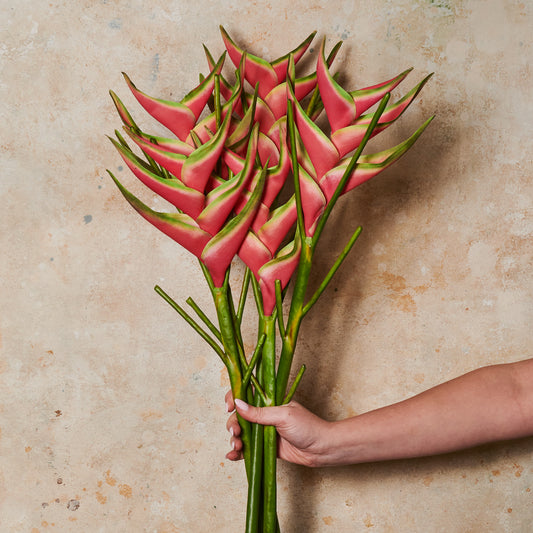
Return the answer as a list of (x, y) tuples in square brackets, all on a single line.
[(223, 171)]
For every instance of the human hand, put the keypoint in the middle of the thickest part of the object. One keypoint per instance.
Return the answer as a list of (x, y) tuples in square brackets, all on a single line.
[(303, 436)]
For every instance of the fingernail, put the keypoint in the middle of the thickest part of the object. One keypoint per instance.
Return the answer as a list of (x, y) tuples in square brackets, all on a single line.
[(243, 406), (232, 432), (233, 445), (227, 407)]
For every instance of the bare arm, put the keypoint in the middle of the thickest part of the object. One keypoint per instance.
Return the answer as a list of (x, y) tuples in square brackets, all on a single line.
[(489, 404)]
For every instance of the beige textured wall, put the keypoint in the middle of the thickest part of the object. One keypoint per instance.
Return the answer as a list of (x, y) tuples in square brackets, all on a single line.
[(111, 410)]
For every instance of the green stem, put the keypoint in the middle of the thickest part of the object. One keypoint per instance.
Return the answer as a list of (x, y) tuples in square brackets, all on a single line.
[(279, 308), (236, 328), (225, 322), (204, 318), (244, 293), (294, 321), (253, 508), (269, 483), (315, 98), (258, 298), (294, 386), (218, 107), (227, 330), (270, 435), (192, 323), (255, 483), (259, 391), (207, 276), (253, 360)]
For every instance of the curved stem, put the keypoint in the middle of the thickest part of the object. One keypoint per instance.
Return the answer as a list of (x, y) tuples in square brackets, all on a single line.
[(244, 293), (258, 298), (294, 386), (207, 276), (279, 308), (253, 360), (207, 338), (204, 318), (296, 312), (218, 107)]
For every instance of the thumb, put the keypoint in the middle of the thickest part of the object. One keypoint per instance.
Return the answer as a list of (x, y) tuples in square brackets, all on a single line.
[(267, 416)]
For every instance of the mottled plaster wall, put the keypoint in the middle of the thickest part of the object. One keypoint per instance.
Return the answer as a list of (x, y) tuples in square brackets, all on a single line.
[(111, 414)]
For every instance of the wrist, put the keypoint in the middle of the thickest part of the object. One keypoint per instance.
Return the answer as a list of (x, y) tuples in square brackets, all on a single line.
[(345, 446), (341, 444)]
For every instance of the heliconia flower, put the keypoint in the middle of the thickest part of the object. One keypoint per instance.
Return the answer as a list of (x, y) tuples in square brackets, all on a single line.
[(317, 192), (269, 235), (178, 226), (257, 70), (203, 129), (171, 145), (220, 250), (342, 107), (237, 140), (180, 175), (259, 251), (225, 88), (278, 167), (179, 117), (224, 172), (313, 201), (188, 200), (281, 268), (322, 165), (326, 167), (191, 172), (349, 137), (215, 250), (124, 114), (320, 149), (269, 228), (368, 166), (272, 94), (221, 200), (275, 229)]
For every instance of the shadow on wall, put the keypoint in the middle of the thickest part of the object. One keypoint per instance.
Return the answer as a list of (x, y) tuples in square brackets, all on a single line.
[(430, 480), (374, 205)]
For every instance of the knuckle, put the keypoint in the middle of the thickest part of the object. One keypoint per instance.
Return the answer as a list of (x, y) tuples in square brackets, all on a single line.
[(228, 399), (229, 422), (259, 415)]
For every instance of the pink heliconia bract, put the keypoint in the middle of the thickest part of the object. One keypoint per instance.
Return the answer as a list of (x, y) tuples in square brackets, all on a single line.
[(223, 172)]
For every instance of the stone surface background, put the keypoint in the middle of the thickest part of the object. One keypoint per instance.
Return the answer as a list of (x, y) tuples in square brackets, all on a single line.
[(111, 409)]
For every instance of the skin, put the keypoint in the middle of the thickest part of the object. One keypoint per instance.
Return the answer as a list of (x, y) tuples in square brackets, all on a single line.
[(490, 404)]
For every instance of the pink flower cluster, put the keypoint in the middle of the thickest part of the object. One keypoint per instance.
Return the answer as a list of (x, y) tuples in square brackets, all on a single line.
[(223, 172)]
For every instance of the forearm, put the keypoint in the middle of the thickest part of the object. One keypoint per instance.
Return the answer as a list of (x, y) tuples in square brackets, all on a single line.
[(489, 404)]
